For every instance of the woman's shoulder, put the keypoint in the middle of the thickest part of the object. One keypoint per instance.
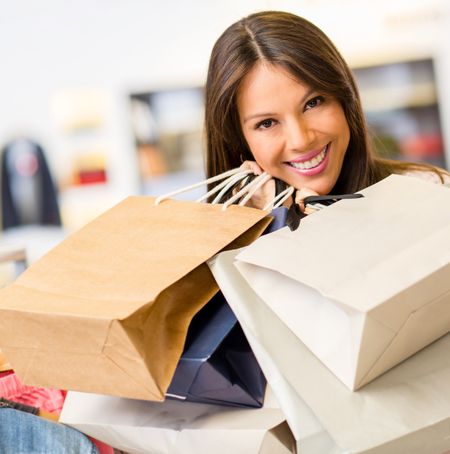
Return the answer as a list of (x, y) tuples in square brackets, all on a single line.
[(429, 175)]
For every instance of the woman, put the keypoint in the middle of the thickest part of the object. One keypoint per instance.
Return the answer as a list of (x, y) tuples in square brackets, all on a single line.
[(280, 98)]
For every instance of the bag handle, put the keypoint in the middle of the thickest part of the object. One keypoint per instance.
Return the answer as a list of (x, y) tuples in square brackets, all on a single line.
[(330, 199), (227, 174), (248, 190), (251, 188), (226, 186), (317, 202), (231, 178), (279, 198)]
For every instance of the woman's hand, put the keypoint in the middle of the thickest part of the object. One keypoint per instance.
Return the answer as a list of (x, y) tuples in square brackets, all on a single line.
[(265, 193), (300, 196)]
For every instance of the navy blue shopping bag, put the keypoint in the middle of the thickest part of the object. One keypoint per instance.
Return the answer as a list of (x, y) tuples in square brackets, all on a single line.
[(279, 215), (218, 365)]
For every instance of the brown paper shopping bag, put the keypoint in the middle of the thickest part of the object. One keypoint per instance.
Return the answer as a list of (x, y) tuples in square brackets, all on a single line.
[(4, 365), (364, 283), (107, 310)]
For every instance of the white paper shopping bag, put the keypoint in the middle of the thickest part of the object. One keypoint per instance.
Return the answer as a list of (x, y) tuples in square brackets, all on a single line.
[(172, 427), (407, 410), (364, 283)]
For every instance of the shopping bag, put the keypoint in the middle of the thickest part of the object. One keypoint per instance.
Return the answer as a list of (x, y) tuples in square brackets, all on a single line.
[(173, 427), (405, 410), (107, 310), (4, 365), (217, 365), (279, 217), (364, 283)]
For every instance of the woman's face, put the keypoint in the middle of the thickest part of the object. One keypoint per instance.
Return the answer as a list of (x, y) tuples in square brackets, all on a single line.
[(294, 133)]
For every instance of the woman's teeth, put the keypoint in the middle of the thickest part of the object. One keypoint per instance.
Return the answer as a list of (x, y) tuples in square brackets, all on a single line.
[(314, 162)]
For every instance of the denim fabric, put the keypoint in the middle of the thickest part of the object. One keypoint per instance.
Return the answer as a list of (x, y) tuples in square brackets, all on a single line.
[(24, 433)]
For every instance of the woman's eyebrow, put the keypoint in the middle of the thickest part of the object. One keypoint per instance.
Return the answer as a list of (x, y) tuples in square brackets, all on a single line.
[(269, 114), (252, 117)]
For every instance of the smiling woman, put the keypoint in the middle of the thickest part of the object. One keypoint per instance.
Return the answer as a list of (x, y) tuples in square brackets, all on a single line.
[(295, 133), (281, 99)]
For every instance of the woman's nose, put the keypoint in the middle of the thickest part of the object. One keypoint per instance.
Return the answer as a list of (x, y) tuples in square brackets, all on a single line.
[(300, 136)]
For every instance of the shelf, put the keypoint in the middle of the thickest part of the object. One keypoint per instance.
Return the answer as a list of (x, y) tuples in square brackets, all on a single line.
[(391, 98), (401, 104)]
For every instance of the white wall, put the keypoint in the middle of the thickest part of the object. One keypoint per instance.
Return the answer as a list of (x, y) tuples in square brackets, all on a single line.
[(117, 45), (132, 45)]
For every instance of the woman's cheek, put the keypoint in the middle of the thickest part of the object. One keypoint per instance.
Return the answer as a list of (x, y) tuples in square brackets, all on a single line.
[(264, 151)]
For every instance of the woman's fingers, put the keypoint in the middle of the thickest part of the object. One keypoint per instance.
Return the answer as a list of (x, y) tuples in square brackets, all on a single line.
[(265, 193), (301, 195), (253, 166)]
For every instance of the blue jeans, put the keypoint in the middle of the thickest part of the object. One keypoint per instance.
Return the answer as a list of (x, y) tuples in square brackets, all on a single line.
[(24, 433)]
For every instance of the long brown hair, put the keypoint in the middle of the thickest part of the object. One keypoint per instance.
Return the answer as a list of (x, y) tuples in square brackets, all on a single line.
[(301, 48)]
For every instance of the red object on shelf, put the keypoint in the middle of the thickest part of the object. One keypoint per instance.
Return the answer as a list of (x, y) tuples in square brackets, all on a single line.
[(92, 176), (423, 146)]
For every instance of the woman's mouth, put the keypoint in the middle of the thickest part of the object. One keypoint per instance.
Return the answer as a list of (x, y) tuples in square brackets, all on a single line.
[(312, 165)]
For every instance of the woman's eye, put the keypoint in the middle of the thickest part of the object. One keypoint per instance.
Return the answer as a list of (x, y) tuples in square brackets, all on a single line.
[(265, 124), (314, 102)]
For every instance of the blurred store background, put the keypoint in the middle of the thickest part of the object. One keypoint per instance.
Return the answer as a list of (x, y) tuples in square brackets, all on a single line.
[(105, 97)]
